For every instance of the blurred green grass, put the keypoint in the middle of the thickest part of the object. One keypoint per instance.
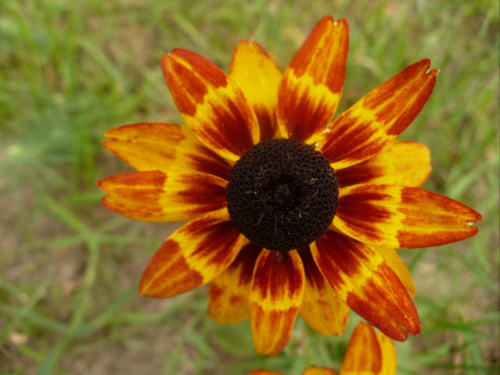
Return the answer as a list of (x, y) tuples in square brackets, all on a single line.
[(69, 269)]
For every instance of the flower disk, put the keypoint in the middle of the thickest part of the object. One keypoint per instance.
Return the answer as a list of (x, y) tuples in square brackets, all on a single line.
[(282, 194)]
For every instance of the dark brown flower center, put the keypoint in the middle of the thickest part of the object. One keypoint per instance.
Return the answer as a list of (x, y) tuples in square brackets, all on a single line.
[(282, 194)]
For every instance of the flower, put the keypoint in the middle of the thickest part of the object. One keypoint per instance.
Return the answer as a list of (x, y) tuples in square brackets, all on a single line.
[(288, 212), (367, 354)]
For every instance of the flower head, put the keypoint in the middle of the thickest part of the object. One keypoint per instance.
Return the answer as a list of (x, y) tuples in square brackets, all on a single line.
[(289, 212), (367, 354)]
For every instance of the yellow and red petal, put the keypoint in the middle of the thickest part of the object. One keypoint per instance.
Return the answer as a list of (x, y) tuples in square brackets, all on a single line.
[(402, 217), (394, 261), (258, 77), (192, 256), (312, 84), (229, 294), (277, 291), (400, 163), (361, 277), (157, 196), (321, 307), (363, 354), (156, 146), (389, 358), (315, 370), (379, 117), (212, 105)]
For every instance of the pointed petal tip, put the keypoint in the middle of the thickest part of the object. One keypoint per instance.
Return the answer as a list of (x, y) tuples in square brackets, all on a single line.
[(165, 57), (477, 217), (397, 328), (247, 41), (145, 285), (425, 62), (108, 203), (327, 19), (341, 22), (99, 183), (474, 230), (113, 133), (168, 58), (425, 65), (412, 329), (175, 51), (180, 53), (143, 289), (108, 133), (108, 143), (146, 288), (330, 19)]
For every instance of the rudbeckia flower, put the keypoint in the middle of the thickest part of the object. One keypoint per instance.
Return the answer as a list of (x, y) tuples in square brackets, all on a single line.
[(289, 212), (367, 354)]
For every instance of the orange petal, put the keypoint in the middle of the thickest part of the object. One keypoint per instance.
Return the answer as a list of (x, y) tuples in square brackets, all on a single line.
[(399, 216), (314, 370), (361, 277), (211, 104), (156, 196), (389, 358), (192, 256), (321, 307), (229, 295), (379, 117), (258, 77), (153, 146), (277, 291), (394, 261), (312, 84), (400, 163), (363, 355)]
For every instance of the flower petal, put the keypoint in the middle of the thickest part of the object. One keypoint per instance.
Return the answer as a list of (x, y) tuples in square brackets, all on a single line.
[(394, 261), (156, 196), (314, 370), (152, 146), (264, 372), (312, 84), (192, 256), (277, 291), (321, 307), (363, 354), (211, 104), (229, 295), (258, 77), (401, 163), (399, 216), (389, 358), (379, 117), (361, 277)]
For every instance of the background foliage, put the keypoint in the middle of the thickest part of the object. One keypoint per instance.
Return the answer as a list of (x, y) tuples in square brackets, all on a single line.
[(69, 270)]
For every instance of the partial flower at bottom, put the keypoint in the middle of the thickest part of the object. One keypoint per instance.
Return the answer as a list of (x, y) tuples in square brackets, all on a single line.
[(367, 354), (289, 213)]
